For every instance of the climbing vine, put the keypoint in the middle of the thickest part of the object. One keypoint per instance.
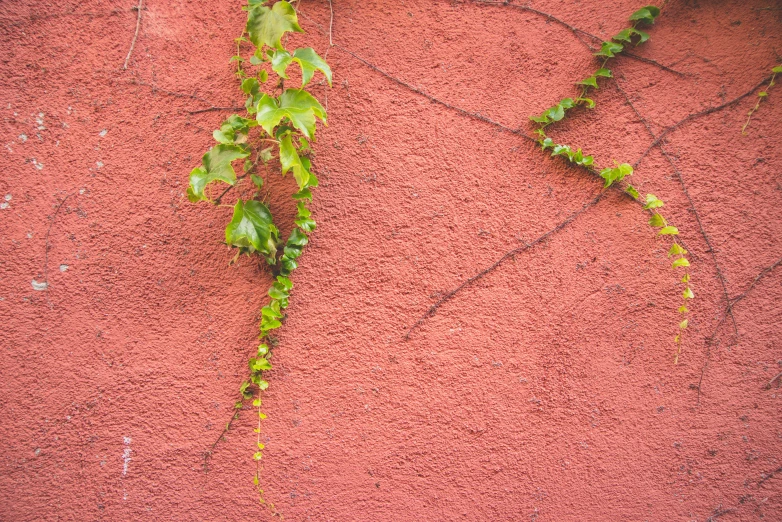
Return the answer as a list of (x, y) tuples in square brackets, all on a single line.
[(278, 134), (762, 94), (617, 174)]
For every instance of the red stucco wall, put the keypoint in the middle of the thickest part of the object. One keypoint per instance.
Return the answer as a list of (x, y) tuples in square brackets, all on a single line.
[(545, 391)]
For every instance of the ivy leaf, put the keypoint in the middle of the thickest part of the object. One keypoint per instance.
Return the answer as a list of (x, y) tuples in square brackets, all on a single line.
[(590, 103), (290, 160), (646, 14), (259, 364), (681, 262), (252, 229), (257, 180), (234, 130), (676, 250), (543, 118), (687, 294), (657, 221), (567, 103), (605, 73), (265, 26), (555, 113), (616, 174), (250, 86), (591, 82), (308, 60), (653, 202), (686, 278), (777, 69), (684, 324), (609, 49), (633, 193), (683, 309), (546, 144), (669, 231), (216, 167), (299, 106)]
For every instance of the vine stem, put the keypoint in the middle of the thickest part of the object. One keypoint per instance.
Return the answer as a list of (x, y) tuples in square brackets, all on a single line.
[(763, 273), (508, 255), (331, 23), (696, 115), (712, 252), (135, 35), (757, 105)]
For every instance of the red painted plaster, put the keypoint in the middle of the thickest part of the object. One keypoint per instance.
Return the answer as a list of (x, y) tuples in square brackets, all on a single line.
[(546, 391)]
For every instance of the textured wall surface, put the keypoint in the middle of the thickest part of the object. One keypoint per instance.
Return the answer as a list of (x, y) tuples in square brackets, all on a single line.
[(544, 391)]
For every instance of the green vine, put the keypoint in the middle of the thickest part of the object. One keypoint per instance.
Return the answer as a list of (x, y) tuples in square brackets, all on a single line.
[(762, 94), (286, 119), (618, 173)]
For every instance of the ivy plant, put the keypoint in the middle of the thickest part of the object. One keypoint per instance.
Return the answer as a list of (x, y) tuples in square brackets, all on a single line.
[(620, 171), (277, 132)]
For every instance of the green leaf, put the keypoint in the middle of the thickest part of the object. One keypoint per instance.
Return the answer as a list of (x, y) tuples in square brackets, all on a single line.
[(302, 194), (643, 36), (257, 455), (297, 238), (590, 103), (624, 35), (762, 94), (777, 69), (257, 180), (546, 144), (299, 106), (591, 82), (259, 364), (265, 26), (310, 62), (252, 229), (216, 167), (657, 221), (567, 103), (263, 385), (616, 174), (633, 193), (669, 231), (676, 250), (233, 131), (653, 202), (686, 278), (605, 73), (646, 14), (684, 324), (681, 262), (609, 49), (250, 86), (543, 118), (290, 160), (687, 294), (555, 113)]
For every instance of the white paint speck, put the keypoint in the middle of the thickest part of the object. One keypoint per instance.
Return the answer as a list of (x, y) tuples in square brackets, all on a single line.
[(63, 268), (81, 191), (4, 205), (37, 451), (99, 164), (23, 137), (8, 197), (39, 286), (126, 455), (103, 133)]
